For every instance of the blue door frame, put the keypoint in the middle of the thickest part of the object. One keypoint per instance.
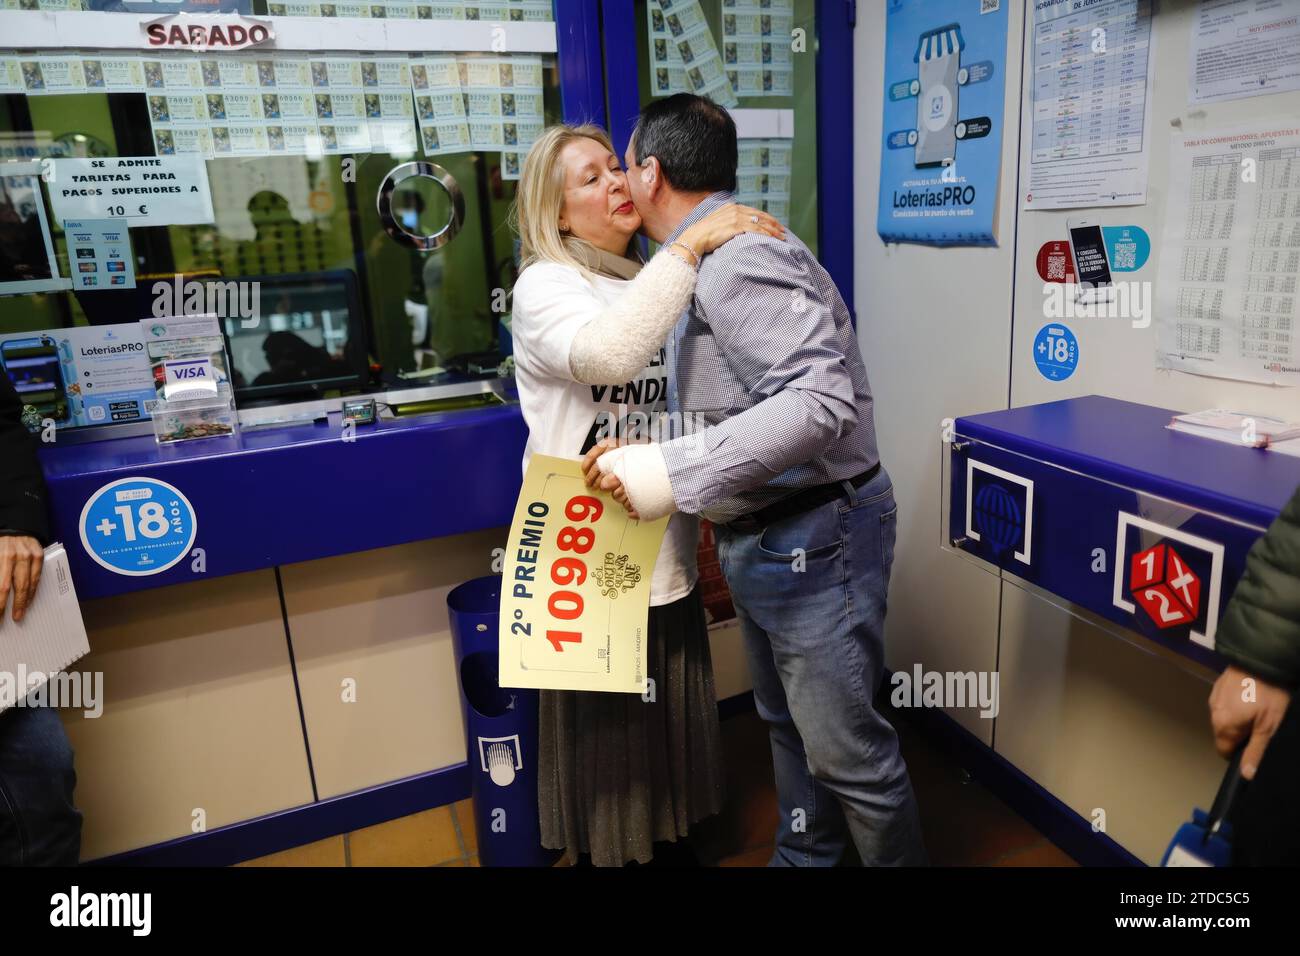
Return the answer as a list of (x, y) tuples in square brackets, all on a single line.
[(835, 20), (577, 35)]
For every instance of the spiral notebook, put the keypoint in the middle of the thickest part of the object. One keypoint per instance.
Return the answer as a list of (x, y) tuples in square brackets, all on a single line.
[(49, 638)]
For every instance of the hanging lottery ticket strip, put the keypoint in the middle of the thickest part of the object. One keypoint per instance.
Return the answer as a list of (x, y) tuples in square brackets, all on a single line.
[(264, 103)]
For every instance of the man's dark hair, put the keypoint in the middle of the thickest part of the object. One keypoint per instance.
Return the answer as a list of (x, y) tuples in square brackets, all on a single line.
[(694, 140)]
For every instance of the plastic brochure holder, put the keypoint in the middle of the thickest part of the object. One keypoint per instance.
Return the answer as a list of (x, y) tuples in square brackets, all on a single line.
[(192, 419), (191, 376)]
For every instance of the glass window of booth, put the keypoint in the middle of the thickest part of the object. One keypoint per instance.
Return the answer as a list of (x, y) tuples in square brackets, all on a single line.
[(751, 55), (307, 229)]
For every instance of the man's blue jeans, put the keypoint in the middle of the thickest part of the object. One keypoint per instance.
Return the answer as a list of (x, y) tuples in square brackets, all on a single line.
[(810, 593), (39, 824)]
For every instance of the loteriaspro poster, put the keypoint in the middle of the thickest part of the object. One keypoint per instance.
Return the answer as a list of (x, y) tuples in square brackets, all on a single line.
[(940, 162), (575, 588), (87, 375)]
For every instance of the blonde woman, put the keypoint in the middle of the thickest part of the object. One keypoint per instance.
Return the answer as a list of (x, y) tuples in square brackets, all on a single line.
[(616, 775)]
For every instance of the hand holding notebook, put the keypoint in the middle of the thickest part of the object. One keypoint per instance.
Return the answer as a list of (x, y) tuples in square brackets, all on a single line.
[(48, 639)]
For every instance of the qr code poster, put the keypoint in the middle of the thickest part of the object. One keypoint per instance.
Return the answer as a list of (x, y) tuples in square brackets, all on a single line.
[(1127, 250)]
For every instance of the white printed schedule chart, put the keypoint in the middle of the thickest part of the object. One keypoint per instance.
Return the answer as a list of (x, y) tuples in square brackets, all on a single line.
[(1231, 253), (1090, 105), (1269, 298)]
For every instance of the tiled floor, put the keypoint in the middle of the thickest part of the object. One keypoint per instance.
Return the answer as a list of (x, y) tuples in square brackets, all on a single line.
[(443, 836), (964, 824)]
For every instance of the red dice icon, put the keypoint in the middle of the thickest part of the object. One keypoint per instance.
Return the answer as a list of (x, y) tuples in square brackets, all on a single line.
[(1168, 590)]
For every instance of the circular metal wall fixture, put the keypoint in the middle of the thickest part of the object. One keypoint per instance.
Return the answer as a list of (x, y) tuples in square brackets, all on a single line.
[(403, 235)]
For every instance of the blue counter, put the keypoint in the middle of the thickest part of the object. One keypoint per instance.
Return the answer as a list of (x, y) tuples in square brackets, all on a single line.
[(1128, 443), (1096, 501), (278, 496)]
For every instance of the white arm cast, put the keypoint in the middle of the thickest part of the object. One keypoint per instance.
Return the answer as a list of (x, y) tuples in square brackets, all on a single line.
[(644, 474)]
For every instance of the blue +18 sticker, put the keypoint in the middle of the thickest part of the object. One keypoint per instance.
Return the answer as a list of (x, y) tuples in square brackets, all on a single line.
[(1056, 353), (137, 526)]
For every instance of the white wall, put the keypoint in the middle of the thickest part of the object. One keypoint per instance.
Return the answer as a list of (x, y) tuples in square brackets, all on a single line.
[(1094, 720), (935, 331)]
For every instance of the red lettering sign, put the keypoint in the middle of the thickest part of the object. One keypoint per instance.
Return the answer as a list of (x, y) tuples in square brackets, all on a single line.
[(185, 31)]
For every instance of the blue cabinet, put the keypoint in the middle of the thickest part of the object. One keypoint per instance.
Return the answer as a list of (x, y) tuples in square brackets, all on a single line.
[(1096, 504)]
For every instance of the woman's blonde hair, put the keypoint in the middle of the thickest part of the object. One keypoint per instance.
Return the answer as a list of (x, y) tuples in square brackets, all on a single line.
[(539, 199)]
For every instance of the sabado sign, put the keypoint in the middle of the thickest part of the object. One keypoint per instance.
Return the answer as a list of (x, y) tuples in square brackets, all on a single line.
[(184, 31)]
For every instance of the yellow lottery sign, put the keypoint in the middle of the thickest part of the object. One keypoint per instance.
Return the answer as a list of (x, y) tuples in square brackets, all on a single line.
[(575, 588)]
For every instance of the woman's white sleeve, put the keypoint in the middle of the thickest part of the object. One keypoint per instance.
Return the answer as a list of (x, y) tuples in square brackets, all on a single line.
[(617, 344)]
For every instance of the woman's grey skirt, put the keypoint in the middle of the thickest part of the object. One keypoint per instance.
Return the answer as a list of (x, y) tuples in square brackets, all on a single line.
[(617, 773)]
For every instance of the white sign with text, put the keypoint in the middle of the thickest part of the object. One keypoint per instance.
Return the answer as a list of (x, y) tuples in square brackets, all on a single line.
[(144, 190)]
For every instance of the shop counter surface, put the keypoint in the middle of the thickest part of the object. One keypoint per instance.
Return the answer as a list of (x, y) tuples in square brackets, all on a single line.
[(1128, 444), (275, 496)]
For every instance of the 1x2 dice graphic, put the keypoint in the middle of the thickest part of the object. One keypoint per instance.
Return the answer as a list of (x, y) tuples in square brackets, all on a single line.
[(1168, 590)]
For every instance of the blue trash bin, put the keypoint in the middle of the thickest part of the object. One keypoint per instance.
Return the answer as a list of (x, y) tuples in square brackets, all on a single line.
[(500, 731)]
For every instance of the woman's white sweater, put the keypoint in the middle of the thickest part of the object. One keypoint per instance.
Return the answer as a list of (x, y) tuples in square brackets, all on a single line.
[(615, 346)]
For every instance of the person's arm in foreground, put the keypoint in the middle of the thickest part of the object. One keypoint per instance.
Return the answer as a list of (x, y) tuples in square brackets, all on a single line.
[(1260, 634), (23, 525)]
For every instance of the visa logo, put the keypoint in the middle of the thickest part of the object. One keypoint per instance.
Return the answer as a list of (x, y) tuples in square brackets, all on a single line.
[(196, 371)]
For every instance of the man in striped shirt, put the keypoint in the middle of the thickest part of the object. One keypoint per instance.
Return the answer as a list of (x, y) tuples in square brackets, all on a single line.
[(766, 366)]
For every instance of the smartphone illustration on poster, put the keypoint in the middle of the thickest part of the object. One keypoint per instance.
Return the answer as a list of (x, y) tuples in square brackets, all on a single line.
[(938, 59), (1091, 267)]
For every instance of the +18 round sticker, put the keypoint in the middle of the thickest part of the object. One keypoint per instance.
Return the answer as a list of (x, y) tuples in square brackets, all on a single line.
[(137, 526), (1056, 352)]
